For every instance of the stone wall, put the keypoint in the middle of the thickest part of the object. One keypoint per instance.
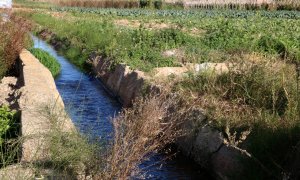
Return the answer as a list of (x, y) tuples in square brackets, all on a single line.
[(204, 144), (124, 83), (208, 147), (38, 96)]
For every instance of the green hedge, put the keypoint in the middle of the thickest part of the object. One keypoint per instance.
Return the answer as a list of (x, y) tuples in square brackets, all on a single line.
[(47, 60)]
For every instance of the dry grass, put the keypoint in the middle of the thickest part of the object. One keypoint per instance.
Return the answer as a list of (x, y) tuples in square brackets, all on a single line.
[(252, 84), (240, 4), (99, 3), (12, 40), (148, 127)]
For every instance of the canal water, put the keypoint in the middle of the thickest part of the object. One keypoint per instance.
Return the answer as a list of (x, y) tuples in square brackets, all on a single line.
[(91, 107)]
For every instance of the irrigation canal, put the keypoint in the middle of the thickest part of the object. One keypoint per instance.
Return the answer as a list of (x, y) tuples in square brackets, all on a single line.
[(91, 107)]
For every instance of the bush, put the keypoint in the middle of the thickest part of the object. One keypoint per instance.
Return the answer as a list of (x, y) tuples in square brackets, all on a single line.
[(144, 3), (272, 45), (7, 119), (47, 60), (152, 123), (158, 4), (12, 40), (9, 132)]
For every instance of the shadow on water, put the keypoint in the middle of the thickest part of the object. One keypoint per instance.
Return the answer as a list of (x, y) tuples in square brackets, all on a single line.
[(91, 108)]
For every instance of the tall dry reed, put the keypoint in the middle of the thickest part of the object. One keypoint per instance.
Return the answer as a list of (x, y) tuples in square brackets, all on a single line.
[(12, 39), (99, 3)]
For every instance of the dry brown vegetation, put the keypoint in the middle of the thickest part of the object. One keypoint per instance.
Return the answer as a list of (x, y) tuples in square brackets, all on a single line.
[(99, 3), (148, 127), (203, 4), (153, 122), (12, 40), (244, 4)]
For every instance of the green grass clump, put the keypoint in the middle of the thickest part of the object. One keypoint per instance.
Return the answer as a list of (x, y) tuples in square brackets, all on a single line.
[(47, 60), (7, 120), (9, 132)]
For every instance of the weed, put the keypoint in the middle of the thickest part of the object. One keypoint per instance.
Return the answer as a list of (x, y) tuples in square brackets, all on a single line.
[(47, 60), (152, 123), (9, 132)]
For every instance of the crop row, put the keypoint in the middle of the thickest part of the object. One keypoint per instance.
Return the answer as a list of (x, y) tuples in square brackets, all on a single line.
[(183, 13)]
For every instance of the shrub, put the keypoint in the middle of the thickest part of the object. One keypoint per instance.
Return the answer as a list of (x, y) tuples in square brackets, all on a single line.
[(158, 4), (144, 3), (47, 60), (152, 123), (7, 119), (9, 132), (12, 40), (272, 45)]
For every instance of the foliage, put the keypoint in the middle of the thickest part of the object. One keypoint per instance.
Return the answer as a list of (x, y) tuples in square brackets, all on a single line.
[(158, 4), (144, 3), (272, 45), (47, 60), (9, 132), (7, 120)]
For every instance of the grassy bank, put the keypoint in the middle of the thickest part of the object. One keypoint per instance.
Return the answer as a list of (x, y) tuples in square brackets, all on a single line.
[(47, 60)]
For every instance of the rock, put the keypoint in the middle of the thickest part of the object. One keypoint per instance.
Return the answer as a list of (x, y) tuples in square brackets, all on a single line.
[(164, 72), (226, 163), (208, 142), (100, 67), (131, 86), (170, 53), (191, 128), (16, 172), (202, 140), (115, 79), (218, 68)]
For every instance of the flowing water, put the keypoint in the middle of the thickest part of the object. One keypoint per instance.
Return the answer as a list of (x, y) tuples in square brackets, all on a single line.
[(91, 107)]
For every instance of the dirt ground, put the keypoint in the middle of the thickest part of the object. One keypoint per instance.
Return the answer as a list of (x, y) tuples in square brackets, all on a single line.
[(9, 92)]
